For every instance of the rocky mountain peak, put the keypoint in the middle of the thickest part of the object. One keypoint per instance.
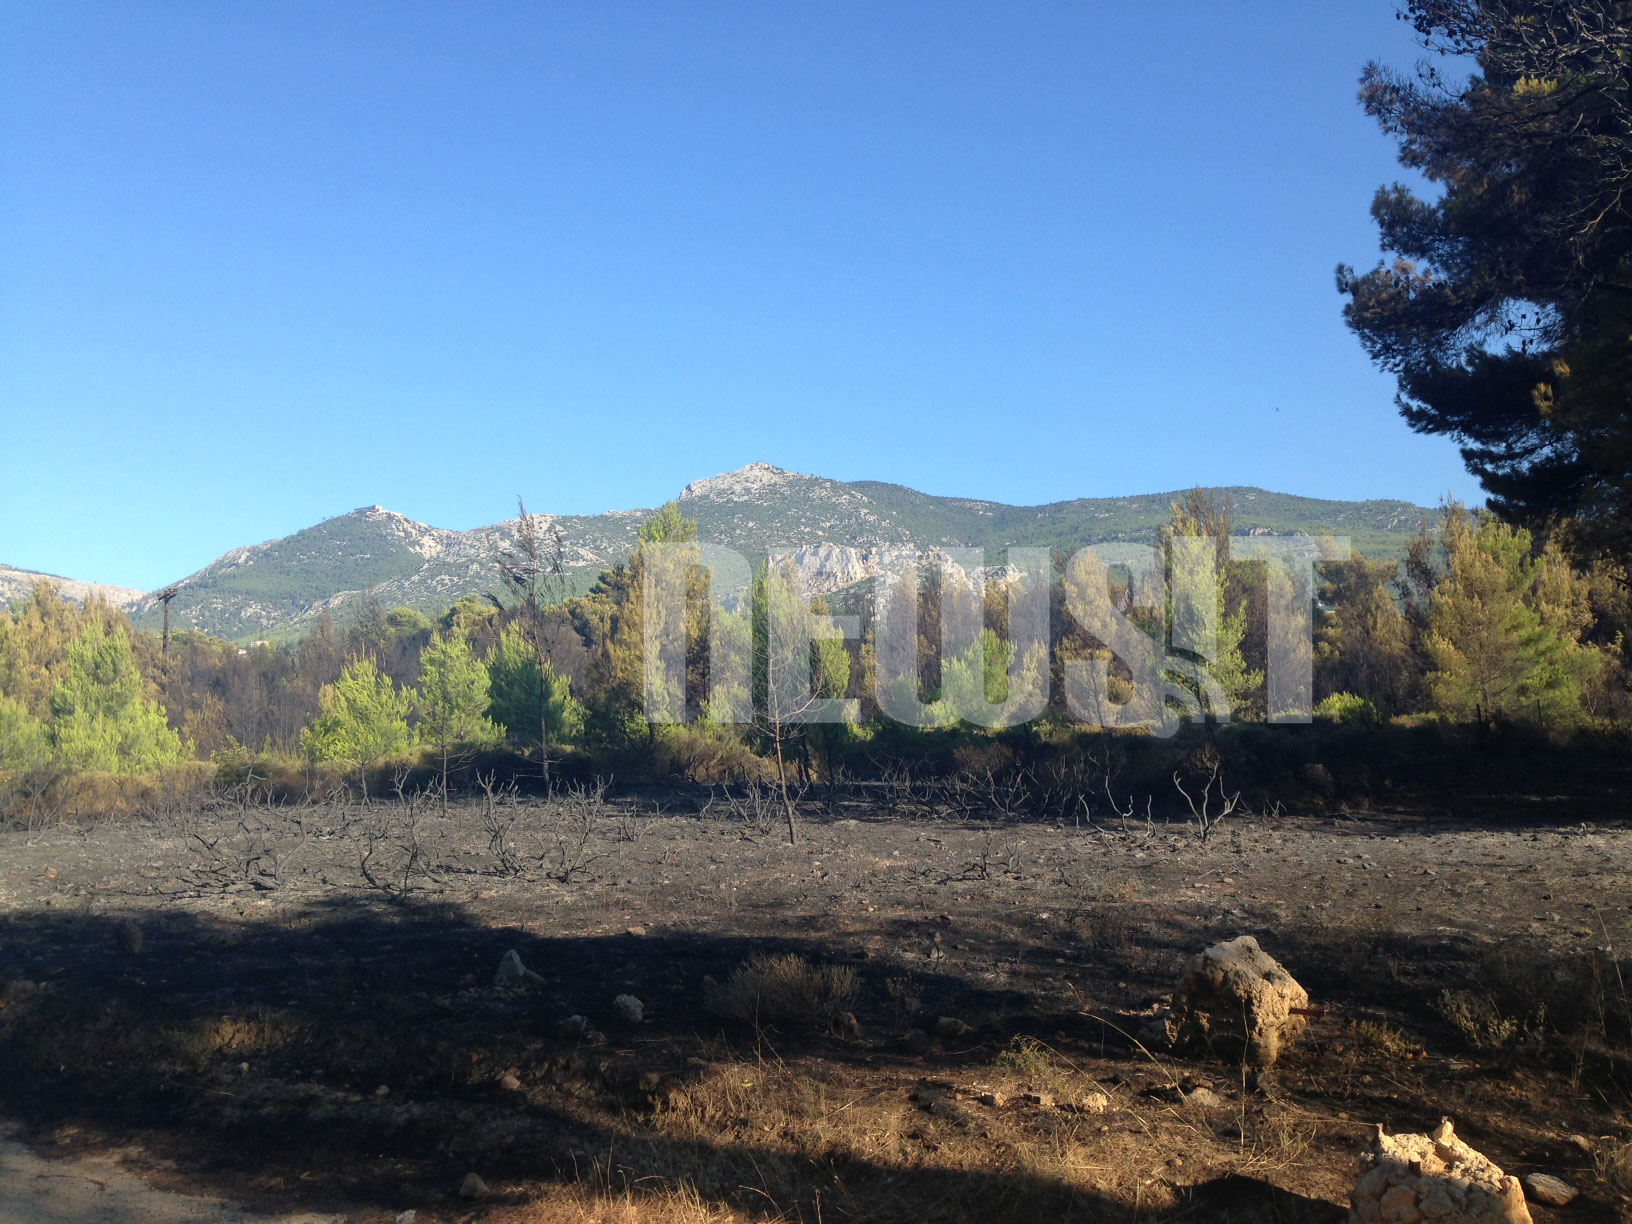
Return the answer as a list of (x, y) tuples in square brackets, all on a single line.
[(744, 484)]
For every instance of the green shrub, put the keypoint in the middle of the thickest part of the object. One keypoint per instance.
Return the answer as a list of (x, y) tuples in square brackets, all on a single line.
[(1347, 708), (1026, 1058), (702, 752), (1384, 1038), (1480, 1022)]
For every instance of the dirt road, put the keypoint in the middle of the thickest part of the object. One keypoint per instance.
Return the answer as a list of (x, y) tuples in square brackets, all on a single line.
[(98, 1190)]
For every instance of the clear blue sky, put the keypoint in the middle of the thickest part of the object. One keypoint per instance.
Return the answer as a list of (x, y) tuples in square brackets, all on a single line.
[(264, 263)]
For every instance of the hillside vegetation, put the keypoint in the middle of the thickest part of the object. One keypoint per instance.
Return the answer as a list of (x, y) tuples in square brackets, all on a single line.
[(277, 590)]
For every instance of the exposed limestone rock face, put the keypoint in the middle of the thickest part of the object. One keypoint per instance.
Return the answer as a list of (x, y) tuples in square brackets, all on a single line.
[(826, 568), (18, 584), (1435, 1179), (1235, 1002), (744, 484)]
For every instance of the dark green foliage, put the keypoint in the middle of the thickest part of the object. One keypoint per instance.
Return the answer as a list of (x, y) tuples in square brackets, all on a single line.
[(1507, 312), (515, 677)]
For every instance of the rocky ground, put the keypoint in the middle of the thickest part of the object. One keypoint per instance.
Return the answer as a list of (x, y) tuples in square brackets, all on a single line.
[(296, 1009)]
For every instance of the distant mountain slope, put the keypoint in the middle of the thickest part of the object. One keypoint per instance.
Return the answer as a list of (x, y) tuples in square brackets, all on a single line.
[(16, 584), (278, 589), (1376, 528)]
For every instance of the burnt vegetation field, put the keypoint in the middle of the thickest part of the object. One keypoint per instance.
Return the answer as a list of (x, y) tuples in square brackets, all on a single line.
[(928, 1007), (586, 868)]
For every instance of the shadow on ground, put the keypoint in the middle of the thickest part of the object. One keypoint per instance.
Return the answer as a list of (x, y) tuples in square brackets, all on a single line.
[(350, 1055)]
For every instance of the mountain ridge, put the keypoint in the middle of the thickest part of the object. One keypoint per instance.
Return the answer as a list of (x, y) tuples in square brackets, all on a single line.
[(281, 587), (17, 584)]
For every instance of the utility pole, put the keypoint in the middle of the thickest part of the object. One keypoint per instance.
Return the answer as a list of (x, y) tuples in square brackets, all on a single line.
[(164, 597)]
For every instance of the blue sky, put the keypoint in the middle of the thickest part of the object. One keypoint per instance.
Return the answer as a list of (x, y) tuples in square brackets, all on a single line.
[(264, 263)]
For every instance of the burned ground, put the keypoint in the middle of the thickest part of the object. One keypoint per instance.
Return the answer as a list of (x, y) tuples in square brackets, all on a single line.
[(295, 1033)]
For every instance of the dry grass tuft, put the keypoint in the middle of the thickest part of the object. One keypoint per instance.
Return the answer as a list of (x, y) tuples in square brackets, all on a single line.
[(1613, 1163), (1280, 1140), (1384, 1038), (657, 1204), (1032, 1063), (786, 991)]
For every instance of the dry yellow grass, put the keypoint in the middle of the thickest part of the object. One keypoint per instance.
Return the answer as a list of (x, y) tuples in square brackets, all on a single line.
[(581, 1204), (784, 991)]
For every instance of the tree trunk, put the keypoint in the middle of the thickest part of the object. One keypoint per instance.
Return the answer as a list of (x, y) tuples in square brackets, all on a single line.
[(543, 722), (543, 702), (782, 784), (832, 777)]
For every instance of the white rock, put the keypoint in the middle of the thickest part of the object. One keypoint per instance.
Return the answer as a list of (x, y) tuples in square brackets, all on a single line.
[(1435, 1178), (1203, 1098), (1545, 1188), (511, 972), (629, 1009), (1236, 1002)]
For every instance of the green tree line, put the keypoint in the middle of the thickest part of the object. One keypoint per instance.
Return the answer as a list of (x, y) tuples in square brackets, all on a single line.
[(1481, 624)]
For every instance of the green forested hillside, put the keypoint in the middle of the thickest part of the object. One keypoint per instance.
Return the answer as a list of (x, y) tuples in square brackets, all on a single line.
[(280, 588)]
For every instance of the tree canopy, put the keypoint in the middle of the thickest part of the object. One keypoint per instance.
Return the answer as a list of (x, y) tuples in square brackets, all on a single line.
[(453, 696), (1506, 314), (102, 717), (363, 717), (1499, 649)]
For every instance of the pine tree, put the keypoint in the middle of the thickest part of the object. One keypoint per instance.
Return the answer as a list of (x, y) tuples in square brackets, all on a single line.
[(362, 717), (1207, 623), (101, 716), (453, 700), (1365, 643), (1507, 312), (25, 742), (35, 635), (1495, 657), (612, 618), (522, 689), (534, 572)]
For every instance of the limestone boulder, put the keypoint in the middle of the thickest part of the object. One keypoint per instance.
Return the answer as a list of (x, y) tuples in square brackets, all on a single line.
[(1434, 1179), (511, 972), (1234, 1002)]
